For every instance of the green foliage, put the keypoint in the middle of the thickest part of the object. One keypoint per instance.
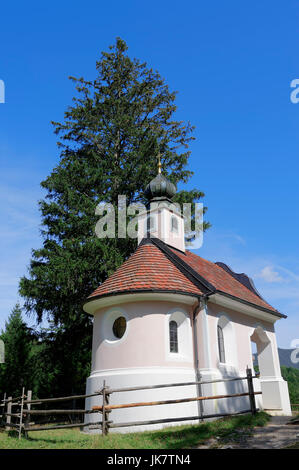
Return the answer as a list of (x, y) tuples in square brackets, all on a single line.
[(16, 371), (291, 375), (58, 362), (109, 142), (176, 437)]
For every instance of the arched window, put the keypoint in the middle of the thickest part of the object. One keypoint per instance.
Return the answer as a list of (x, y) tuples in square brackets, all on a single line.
[(174, 224), (221, 349), (150, 225), (173, 337)]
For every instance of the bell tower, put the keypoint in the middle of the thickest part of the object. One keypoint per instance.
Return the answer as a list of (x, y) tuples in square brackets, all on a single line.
[(163, 218)]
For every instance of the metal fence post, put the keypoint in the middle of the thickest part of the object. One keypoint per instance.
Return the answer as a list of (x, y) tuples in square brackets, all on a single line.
[(251, 391)]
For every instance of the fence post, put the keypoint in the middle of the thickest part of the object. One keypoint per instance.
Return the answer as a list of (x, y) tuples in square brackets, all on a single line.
[(105, 414), (27, 419), (21, 413), (251, 391), (3, 409), (8, 411)]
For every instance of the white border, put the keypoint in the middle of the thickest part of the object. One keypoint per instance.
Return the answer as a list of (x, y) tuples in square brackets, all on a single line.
[(187, 354), (109, 318), (228, 367)]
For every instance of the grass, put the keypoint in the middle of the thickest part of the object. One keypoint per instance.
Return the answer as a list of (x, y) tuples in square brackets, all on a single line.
[(178, 437), (293, 446)]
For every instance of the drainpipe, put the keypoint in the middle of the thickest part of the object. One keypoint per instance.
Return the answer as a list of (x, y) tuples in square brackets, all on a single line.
[(195, 355)]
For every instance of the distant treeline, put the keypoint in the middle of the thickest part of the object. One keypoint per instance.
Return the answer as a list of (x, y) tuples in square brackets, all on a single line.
[(43, 361), (291, 375)]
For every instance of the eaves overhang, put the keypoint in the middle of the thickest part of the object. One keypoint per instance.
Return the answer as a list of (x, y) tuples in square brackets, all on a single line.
[(243, 306), (95, 303)]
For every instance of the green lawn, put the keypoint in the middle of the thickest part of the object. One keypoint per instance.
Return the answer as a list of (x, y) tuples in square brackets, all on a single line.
[(293, 446), (178, 437)]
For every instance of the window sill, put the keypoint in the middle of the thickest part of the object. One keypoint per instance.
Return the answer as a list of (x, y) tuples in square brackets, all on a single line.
[(176, 357)]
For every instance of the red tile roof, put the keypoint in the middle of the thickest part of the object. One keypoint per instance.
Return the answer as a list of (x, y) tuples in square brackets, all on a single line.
[(155, 266), (147, 269), (220, 279)]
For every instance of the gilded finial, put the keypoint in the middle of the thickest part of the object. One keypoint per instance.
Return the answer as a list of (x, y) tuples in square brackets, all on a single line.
[(159, 163)]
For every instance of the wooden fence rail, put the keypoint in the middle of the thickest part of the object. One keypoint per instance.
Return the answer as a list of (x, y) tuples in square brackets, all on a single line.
[(106, 408), (63, 426), (179, 384), (170, 402), (25, 402), (174, 420), (56, 412), (53, 400)]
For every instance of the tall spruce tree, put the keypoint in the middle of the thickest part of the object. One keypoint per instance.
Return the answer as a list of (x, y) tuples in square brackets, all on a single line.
[(16, 371), (109, 143)]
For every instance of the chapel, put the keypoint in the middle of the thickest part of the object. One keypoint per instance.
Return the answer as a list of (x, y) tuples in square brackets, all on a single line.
[(167, 315)]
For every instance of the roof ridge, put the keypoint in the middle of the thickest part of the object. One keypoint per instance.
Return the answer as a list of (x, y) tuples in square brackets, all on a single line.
[(184, 267), (220, 270), (243, 278), (233, 277)]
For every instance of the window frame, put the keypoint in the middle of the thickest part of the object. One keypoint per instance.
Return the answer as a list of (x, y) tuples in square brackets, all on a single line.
[(106, 325), (221, 344), (173, 337), (174, 228), (150, 224), (121, 317)]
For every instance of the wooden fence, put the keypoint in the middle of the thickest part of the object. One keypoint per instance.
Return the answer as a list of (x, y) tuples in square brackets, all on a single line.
[(23, 416)]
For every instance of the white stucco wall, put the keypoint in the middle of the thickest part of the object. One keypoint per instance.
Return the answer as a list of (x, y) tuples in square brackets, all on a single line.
[(162, 227), (142, 357), (145, 343), (239, 355)]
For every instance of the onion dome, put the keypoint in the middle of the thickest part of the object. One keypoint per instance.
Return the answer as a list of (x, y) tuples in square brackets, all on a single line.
[(160, 188)]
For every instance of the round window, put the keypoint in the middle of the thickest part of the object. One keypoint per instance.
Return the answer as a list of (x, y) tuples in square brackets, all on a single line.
[(119, 327)]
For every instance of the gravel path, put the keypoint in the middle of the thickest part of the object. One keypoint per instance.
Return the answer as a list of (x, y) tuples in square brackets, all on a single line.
[(275, 435)]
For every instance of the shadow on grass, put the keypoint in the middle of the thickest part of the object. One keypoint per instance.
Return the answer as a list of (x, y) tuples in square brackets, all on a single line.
[(178, 437), (190, 436), (48, 440)]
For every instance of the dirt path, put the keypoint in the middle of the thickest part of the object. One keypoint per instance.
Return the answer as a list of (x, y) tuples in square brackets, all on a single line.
[(275, 435)]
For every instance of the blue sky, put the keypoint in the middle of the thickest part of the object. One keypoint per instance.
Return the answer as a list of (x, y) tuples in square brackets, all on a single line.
[(232, 64)]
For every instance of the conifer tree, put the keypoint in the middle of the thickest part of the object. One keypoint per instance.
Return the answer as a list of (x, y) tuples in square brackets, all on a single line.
[(17, 338), (109, 142)]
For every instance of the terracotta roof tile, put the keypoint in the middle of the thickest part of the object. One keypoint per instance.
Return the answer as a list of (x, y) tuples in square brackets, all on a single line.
[(221, 279), (146, 269), (149, 269)]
